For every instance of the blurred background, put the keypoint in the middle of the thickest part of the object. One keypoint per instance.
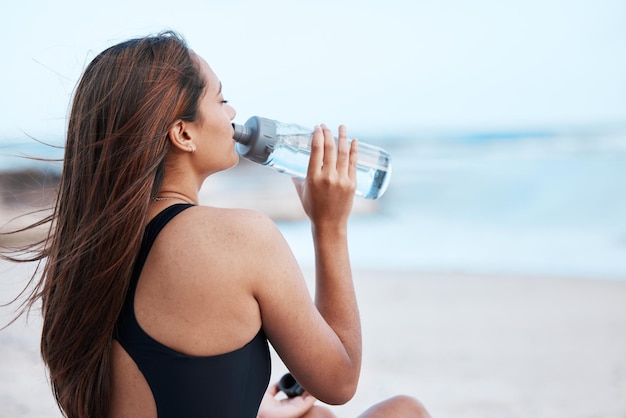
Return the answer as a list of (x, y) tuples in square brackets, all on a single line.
[(506, 121)]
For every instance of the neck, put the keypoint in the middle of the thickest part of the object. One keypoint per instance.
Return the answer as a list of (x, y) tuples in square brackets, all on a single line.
[(180, 180), (175, 195)]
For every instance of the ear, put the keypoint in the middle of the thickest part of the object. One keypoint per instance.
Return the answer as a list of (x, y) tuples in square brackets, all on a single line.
[(180, 137)]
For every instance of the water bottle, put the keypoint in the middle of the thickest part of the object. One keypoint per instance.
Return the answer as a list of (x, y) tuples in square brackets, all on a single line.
[(286, 148)]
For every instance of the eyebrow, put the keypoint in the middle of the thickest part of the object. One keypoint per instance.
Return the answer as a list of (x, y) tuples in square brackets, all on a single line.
[(220, 90)]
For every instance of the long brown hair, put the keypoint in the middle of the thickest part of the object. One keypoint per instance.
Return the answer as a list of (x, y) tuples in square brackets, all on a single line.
[(127, 99)]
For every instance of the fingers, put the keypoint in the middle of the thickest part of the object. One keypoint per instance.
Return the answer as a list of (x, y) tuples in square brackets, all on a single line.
[(331, 177), (317, 151), (272, 389), (343, 151), (299, 183), (353, 158), (330, 151), (326, 153), (300, 404)]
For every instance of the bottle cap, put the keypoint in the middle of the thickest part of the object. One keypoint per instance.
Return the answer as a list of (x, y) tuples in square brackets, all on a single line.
[(290, 386), (255, 139)]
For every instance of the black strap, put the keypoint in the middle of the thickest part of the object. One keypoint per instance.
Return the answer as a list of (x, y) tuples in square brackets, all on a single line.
[(150, 234)]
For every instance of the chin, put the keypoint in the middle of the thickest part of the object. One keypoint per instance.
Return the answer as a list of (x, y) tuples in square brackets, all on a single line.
[(234, 161)]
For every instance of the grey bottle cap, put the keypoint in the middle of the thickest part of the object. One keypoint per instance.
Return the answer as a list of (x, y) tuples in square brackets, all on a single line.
[(256, 138)]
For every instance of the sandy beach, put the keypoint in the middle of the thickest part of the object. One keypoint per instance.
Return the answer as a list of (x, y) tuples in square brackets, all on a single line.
[(466, 346)]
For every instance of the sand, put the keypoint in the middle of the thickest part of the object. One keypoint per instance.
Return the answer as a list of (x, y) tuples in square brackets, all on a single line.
[(465, 346), (495, 346)]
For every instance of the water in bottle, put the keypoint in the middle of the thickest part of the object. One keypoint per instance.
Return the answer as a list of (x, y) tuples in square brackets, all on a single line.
[(287, 147)]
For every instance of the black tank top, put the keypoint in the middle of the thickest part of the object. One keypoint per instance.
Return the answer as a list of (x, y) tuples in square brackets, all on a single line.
[(225, 385)]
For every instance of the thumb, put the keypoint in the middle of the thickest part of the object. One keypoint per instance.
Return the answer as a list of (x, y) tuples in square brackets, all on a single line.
[(272, 389), (299, 183)]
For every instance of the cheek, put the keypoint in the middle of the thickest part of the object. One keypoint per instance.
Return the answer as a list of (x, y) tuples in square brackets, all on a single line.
[(227, 128)]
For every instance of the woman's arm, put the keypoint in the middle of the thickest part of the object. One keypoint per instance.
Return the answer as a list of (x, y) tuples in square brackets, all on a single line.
[(320, 343)]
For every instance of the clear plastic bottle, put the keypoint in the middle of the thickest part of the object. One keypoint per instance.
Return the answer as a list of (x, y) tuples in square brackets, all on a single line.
[(287, 147)]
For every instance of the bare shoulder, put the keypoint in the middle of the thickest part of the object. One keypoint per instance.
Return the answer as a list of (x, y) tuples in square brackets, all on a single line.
[(229, 233), (205, 219)]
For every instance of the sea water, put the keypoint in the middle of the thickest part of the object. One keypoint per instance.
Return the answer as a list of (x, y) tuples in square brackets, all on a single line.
[(549, 205)]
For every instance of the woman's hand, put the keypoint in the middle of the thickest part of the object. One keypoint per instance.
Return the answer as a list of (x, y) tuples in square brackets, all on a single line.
[(284, 408), (327, 192)]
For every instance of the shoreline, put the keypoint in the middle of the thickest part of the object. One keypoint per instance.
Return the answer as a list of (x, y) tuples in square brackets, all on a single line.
[(27, 196), (466, 346)]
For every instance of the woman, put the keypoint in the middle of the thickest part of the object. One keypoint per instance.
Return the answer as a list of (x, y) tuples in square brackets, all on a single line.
[(156, 306)]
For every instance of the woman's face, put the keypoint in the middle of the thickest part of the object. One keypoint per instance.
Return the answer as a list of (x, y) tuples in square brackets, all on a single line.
[(213, 131)]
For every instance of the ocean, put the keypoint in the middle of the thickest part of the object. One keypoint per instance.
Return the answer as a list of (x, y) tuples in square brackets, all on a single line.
[(537, 204), (527, 204)]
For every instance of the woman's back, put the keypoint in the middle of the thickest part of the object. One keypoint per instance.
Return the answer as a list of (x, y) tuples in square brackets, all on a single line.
[(197, 338)]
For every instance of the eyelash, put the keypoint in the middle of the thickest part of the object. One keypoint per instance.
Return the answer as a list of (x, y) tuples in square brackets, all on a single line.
[(224, 101)]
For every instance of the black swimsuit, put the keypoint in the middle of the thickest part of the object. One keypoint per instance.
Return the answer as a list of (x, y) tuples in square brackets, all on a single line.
[(183, 386)]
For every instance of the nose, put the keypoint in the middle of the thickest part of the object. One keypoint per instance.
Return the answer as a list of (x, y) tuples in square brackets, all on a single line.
[(233, 112)]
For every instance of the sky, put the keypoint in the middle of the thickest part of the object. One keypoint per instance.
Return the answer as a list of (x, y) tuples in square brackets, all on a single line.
[(380, 67)]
